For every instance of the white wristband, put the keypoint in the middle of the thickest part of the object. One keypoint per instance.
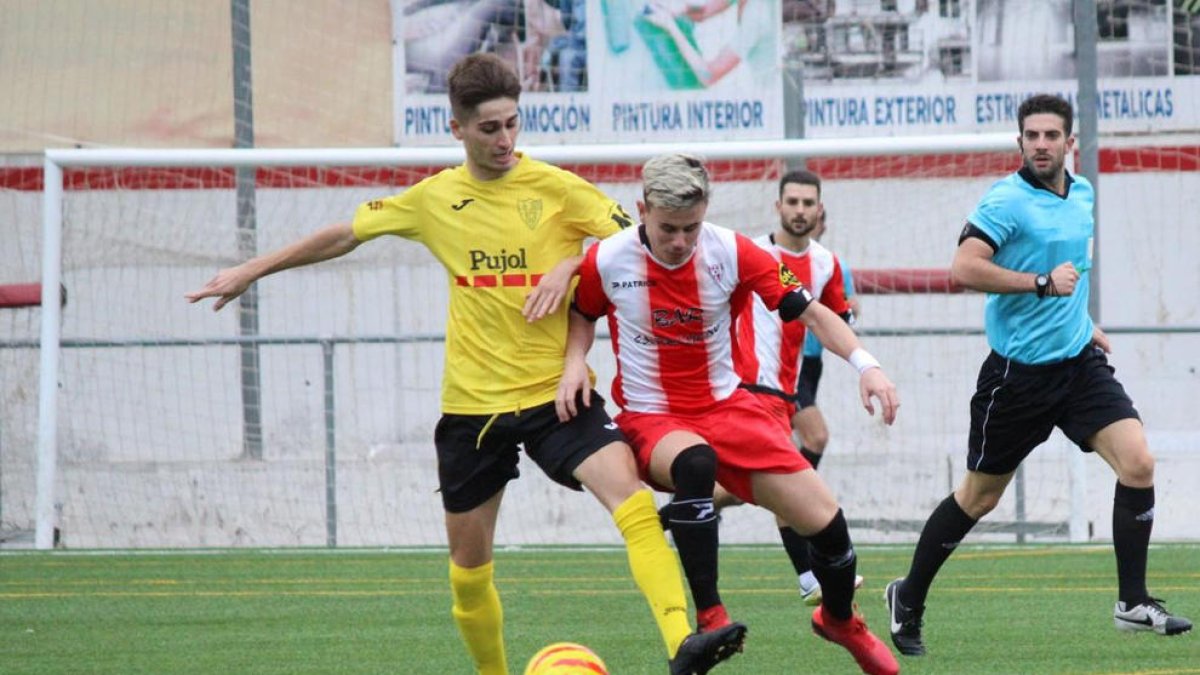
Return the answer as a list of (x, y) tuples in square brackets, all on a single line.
[(862, 360)]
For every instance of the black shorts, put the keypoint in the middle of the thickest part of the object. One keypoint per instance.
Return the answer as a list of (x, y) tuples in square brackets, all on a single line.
[(477, 454), (1016, 406), (806, 384)]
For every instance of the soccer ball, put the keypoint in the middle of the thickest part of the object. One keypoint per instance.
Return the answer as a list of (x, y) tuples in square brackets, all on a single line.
[(566, 658)]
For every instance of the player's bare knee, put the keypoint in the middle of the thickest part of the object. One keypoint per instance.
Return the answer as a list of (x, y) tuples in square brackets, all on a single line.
[(610, 474), (817, 441), (470, 549), (809, 517), (976, 502), (1137, 469)]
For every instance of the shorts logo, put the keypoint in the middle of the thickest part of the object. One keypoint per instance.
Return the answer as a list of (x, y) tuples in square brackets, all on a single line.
[(611, 426), (531, 212)]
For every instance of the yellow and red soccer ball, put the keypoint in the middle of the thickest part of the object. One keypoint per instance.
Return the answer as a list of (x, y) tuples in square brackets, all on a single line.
[(566, 658)]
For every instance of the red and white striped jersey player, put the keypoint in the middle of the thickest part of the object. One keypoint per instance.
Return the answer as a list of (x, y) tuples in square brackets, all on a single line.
[(768, 350), (671, 289)]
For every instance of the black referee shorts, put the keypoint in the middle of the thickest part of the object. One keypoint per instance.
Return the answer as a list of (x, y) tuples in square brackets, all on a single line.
[(1016, 406), (478, 454)]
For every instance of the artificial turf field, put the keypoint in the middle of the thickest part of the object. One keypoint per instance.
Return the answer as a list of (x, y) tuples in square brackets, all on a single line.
[(1030, 609)]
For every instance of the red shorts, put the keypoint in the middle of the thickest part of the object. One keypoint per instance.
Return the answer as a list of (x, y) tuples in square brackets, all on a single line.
[(746, 438), (778, 408)]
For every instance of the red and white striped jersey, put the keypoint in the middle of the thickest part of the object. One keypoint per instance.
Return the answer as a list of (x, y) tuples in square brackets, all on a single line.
[(768, 350), (672, 327)]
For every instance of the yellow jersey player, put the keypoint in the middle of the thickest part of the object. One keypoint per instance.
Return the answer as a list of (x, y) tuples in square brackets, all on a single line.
[(509, 231)]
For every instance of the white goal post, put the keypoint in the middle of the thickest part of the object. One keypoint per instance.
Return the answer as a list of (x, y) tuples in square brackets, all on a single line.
[(48, 505)]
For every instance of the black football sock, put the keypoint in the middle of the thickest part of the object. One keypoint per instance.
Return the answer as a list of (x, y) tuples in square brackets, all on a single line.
[(694, 521), (797, 549), (835, 565), (944, 530), (813, 458), (1133, 518)]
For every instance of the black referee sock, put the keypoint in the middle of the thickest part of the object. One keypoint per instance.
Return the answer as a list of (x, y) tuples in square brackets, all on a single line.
[(835, 565), (1133, 518), (813, 458), (944, 530), (694, 521)]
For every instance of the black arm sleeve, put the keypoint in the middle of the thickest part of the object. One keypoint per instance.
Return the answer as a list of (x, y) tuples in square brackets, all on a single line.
[(580, 312), (969, 230), (793, 304)]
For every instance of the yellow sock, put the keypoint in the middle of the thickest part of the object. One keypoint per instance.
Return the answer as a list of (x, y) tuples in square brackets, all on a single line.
[(479, 616), (654, 566)]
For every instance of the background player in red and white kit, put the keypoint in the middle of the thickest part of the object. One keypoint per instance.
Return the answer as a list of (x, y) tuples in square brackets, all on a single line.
[(769, 351), (671, 289)]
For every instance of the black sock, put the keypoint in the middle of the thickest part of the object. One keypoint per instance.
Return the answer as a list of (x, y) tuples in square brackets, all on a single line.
[(1133, 518), (797, 549), (813, 458), (946, 527), (694, 521), (835, 565)]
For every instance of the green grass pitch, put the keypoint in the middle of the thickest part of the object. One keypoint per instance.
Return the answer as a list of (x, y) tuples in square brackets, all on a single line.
[(1032, 609)]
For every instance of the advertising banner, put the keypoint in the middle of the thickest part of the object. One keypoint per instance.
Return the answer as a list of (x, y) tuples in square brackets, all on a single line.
[(633, 71), (603, 71), (956, 66)]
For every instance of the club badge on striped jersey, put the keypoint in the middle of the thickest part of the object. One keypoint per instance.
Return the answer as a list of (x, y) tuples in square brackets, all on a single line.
[(531, 212), (787, 277)]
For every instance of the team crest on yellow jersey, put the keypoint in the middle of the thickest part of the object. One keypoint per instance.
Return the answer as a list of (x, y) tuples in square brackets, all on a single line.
[(619, 216), (531, 212), (786, 277)]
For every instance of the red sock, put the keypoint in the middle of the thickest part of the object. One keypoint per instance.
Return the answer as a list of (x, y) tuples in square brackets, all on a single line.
[(712, 618)]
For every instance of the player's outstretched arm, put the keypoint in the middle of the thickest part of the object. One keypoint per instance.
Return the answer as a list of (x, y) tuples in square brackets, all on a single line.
[(576, 382), (873, 383), (551, 289), (328, 242)]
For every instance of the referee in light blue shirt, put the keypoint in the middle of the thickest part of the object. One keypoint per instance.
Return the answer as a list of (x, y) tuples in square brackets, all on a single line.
[(1028, 245)]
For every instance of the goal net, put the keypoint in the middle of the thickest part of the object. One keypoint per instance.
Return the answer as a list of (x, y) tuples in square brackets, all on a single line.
[(309, 421)]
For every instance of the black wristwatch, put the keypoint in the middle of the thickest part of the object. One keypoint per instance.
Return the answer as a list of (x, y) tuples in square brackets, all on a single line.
[(1041, 283)]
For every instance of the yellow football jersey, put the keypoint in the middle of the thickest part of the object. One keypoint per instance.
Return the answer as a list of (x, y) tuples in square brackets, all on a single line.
[(496, 239)]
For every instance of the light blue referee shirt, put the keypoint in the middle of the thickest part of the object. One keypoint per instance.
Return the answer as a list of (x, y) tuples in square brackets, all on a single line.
[(813, 346), (1035, 230)]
